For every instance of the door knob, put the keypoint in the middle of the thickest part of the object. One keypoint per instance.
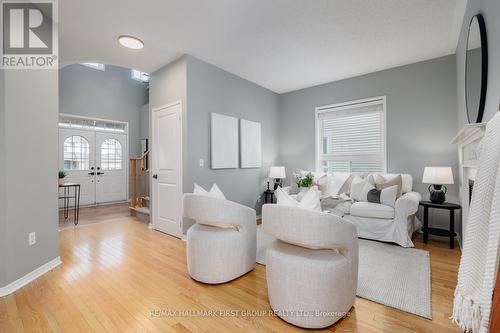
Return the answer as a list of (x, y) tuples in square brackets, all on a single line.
[(155, 176), (92, 173)]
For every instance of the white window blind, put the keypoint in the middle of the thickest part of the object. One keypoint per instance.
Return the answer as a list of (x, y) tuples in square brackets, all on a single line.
[(351, 136)]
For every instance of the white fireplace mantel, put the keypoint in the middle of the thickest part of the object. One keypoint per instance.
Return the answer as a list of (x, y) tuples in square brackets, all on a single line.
[(467, 141)]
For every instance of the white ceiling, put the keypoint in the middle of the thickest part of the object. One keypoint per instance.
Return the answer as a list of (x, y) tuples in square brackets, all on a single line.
[(283, 45)]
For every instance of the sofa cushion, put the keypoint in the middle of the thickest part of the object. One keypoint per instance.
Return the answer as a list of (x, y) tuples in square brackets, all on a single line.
[(215, 191), (373, 210), (407, 180), (310, 200), (360, 187), (336, 181), (381, 183)]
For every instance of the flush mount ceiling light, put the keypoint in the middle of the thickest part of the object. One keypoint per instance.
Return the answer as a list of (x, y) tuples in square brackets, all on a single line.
[(131, 42)]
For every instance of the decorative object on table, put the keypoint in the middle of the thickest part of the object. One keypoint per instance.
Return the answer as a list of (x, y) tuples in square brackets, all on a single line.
[(437, 177), (476, 69), (304, 183), (250, 144), (480, 246), (224, 146), (277, 173), (62, 175), (435, 231)]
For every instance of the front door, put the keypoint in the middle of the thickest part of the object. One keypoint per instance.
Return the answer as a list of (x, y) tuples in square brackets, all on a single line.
[(111, 175), (167, 169), (77, 159), (97, 161)]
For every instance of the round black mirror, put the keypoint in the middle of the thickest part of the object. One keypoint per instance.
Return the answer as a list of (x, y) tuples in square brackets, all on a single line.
[(476, 69)]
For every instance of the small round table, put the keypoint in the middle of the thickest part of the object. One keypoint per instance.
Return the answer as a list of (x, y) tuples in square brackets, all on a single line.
[(268, 196), (440, 232), (67, 196)]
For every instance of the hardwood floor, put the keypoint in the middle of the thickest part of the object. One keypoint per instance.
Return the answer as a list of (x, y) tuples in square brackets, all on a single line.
[(121, 276), (94, 214)]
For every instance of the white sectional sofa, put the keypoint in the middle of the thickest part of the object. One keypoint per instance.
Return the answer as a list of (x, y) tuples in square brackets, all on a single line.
[(373, 220)]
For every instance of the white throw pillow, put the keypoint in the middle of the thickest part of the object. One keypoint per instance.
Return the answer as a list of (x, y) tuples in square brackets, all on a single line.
[(283, 198), (389, 195), (336, 181), (215, 191), (357, 186), (310, 200)]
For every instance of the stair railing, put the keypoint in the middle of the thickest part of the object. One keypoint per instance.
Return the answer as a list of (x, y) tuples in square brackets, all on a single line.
[(139, 182)]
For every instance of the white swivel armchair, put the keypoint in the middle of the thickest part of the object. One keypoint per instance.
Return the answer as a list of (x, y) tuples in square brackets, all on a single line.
[(221, 246), (312, 266)]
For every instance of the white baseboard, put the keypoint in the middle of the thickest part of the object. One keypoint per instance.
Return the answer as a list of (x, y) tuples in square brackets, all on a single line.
[(33, 275)]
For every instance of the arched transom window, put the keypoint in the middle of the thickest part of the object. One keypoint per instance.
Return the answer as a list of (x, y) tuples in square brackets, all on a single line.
[(111, 155), (76, 153)]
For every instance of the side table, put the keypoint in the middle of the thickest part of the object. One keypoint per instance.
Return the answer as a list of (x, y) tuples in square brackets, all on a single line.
[(440, 232), (268, 196)]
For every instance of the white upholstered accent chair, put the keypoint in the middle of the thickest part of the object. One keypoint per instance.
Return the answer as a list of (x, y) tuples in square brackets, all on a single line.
[(221, 246), (312, 266)]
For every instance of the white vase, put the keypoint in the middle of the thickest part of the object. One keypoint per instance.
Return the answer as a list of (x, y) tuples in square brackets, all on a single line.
[(61, 181), (302, 192)]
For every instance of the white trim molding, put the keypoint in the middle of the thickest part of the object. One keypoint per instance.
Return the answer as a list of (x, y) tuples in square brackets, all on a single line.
[(33, 275)]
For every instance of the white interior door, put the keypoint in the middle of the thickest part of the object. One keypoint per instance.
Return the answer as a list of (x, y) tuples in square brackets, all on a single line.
[(111, 167), (167, 169), (76, 158)]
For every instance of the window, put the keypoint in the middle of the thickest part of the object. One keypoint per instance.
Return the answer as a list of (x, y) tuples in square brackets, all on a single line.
[(94, 65), (140, 76), (351, 136), (111, 155), (67, 121), (76, 153)]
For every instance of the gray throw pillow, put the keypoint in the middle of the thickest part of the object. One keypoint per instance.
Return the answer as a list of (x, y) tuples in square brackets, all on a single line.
[(381, 183)]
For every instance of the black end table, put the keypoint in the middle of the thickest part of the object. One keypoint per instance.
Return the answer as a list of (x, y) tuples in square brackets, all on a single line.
[(268, 196), (67, 196), (440, 232)]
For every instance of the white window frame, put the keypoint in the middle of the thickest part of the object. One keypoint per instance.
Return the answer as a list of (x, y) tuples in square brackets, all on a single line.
[(94, 65), (345, 106), (141, 75)]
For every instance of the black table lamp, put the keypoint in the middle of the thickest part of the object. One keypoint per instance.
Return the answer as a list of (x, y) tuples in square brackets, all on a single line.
[(438, 177), (278, 174)]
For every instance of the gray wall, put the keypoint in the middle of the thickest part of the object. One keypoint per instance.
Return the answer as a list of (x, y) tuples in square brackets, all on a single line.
[(490, 10), (29, 140), (421, 118), (109, 94), (3, 221), (211, 89), (144, 122)]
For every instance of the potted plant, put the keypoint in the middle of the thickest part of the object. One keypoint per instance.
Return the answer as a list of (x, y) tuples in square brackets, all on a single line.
[(304, 182), (62, 175)]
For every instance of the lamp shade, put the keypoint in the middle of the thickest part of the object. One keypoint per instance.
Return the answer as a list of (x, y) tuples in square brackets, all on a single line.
[(277, 172), (438, 175)]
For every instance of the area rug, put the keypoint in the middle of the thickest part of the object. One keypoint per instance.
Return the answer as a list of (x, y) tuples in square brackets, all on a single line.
[(388, 274)]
